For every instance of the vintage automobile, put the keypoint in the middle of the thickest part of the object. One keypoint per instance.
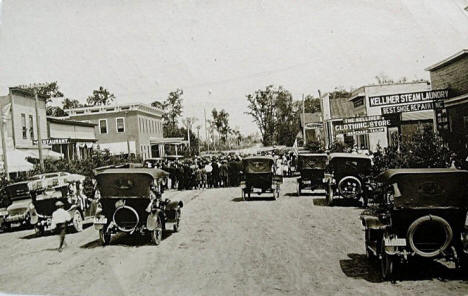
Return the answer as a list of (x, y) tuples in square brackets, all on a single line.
[(130, 202), (311, 166), (347, 176), (420, 213), (67, 188), (258, 176), (17, 200)]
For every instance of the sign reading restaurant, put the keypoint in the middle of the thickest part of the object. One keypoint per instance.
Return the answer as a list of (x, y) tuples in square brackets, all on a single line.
[(406, 98), (361, 125), (53, 141)]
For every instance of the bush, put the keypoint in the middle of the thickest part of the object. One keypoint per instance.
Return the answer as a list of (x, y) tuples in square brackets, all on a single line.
[(420, 150)]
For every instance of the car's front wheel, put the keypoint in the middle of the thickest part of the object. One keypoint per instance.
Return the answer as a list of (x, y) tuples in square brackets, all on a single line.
[(329, 196), (77, 221), (104, 237), (387, 264), (156, 234)]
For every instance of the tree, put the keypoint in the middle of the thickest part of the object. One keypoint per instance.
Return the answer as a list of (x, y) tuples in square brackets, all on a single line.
[(100, 97), (311, 104), (55, 111), (70, 104), (262, 109), (173, 106), (286, 118), (221, 123)]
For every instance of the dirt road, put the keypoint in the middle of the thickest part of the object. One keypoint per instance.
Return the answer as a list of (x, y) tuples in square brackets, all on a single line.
[(291, 246)]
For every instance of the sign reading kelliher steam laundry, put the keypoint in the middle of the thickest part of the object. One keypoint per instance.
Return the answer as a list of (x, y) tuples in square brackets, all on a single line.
[(361, 125), (406, 98)]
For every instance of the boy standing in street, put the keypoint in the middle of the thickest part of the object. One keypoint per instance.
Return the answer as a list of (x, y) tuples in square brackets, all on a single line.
[(60, 217)]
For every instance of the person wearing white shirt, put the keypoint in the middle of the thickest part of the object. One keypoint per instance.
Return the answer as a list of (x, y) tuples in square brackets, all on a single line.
[(60, 218)]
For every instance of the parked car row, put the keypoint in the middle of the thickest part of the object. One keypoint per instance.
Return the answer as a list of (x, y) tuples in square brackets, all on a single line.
[(127, 199), (415, 213)]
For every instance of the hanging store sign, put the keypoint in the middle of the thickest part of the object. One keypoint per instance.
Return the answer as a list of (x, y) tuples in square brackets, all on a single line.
[(406, 98), (54, 141), (362, 125)]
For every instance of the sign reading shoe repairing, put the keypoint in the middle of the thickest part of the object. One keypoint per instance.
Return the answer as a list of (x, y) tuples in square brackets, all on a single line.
[(362, 125)]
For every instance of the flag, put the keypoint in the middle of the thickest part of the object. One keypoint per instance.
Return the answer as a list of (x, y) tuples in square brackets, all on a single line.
[(295, 147), (6, 110)]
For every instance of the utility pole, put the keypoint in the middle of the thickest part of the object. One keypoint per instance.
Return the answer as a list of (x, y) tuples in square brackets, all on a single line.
[(206, 132), (4, 146), (303, 120), (38, 125), (198, 136)]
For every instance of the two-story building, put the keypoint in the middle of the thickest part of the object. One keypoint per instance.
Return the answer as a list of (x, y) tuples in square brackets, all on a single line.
[(385, 112), (452, 116), (124, 129)]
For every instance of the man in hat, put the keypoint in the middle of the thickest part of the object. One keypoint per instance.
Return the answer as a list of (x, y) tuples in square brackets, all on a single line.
[(60, 217)]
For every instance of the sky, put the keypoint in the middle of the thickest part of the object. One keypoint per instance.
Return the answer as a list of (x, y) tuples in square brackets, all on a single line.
[(220, 51)]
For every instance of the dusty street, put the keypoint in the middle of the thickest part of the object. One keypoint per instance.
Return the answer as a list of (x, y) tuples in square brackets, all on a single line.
[(292, 246)]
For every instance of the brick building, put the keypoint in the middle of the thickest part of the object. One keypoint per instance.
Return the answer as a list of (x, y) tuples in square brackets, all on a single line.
[(452, 116)]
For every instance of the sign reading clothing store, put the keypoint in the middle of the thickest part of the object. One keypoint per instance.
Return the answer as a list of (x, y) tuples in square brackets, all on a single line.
[(361, 125)]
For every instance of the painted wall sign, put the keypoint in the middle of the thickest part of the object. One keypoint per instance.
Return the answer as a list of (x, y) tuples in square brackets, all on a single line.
[(408, 108), (405, 98), (361, 125)]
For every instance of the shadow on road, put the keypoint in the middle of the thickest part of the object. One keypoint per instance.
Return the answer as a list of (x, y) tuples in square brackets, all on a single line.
[(358, 266), (322, 202), (52, 233), (304, 194), (252, 198), (123, 239)]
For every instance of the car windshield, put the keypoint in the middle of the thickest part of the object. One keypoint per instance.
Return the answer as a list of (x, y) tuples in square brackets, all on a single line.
[(18, 191), (252, 166), (343, 164), (312, 162)]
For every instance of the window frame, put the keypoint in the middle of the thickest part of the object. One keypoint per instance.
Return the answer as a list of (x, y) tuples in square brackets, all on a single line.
[(31, 126), (117, 125), (100, 127), (24, 127)]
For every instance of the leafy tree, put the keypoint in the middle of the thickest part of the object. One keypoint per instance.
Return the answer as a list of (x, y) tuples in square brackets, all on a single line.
[(70, 104), (100, 97), (286, 118), (49, 91), (311, 104), (55, 111), (262, 109), (221, 123), (172, 108)]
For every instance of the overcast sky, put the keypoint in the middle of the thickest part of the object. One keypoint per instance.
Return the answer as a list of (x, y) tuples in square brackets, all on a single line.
[(219, 51)]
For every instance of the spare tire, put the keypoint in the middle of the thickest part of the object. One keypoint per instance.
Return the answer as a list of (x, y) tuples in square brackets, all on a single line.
[(349, 187), (429, 236)]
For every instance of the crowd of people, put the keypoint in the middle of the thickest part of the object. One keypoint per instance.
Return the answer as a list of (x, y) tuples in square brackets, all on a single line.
[(214, 171)]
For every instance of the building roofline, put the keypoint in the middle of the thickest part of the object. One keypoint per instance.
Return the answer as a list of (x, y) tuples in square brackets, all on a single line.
[(356, 93), (115, 108), (65, 120), (448, 60)]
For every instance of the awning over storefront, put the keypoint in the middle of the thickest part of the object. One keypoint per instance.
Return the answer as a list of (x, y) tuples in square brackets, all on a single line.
[(118, 147), (415, 116), (46, 153), (17, 161), (169, 141)]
